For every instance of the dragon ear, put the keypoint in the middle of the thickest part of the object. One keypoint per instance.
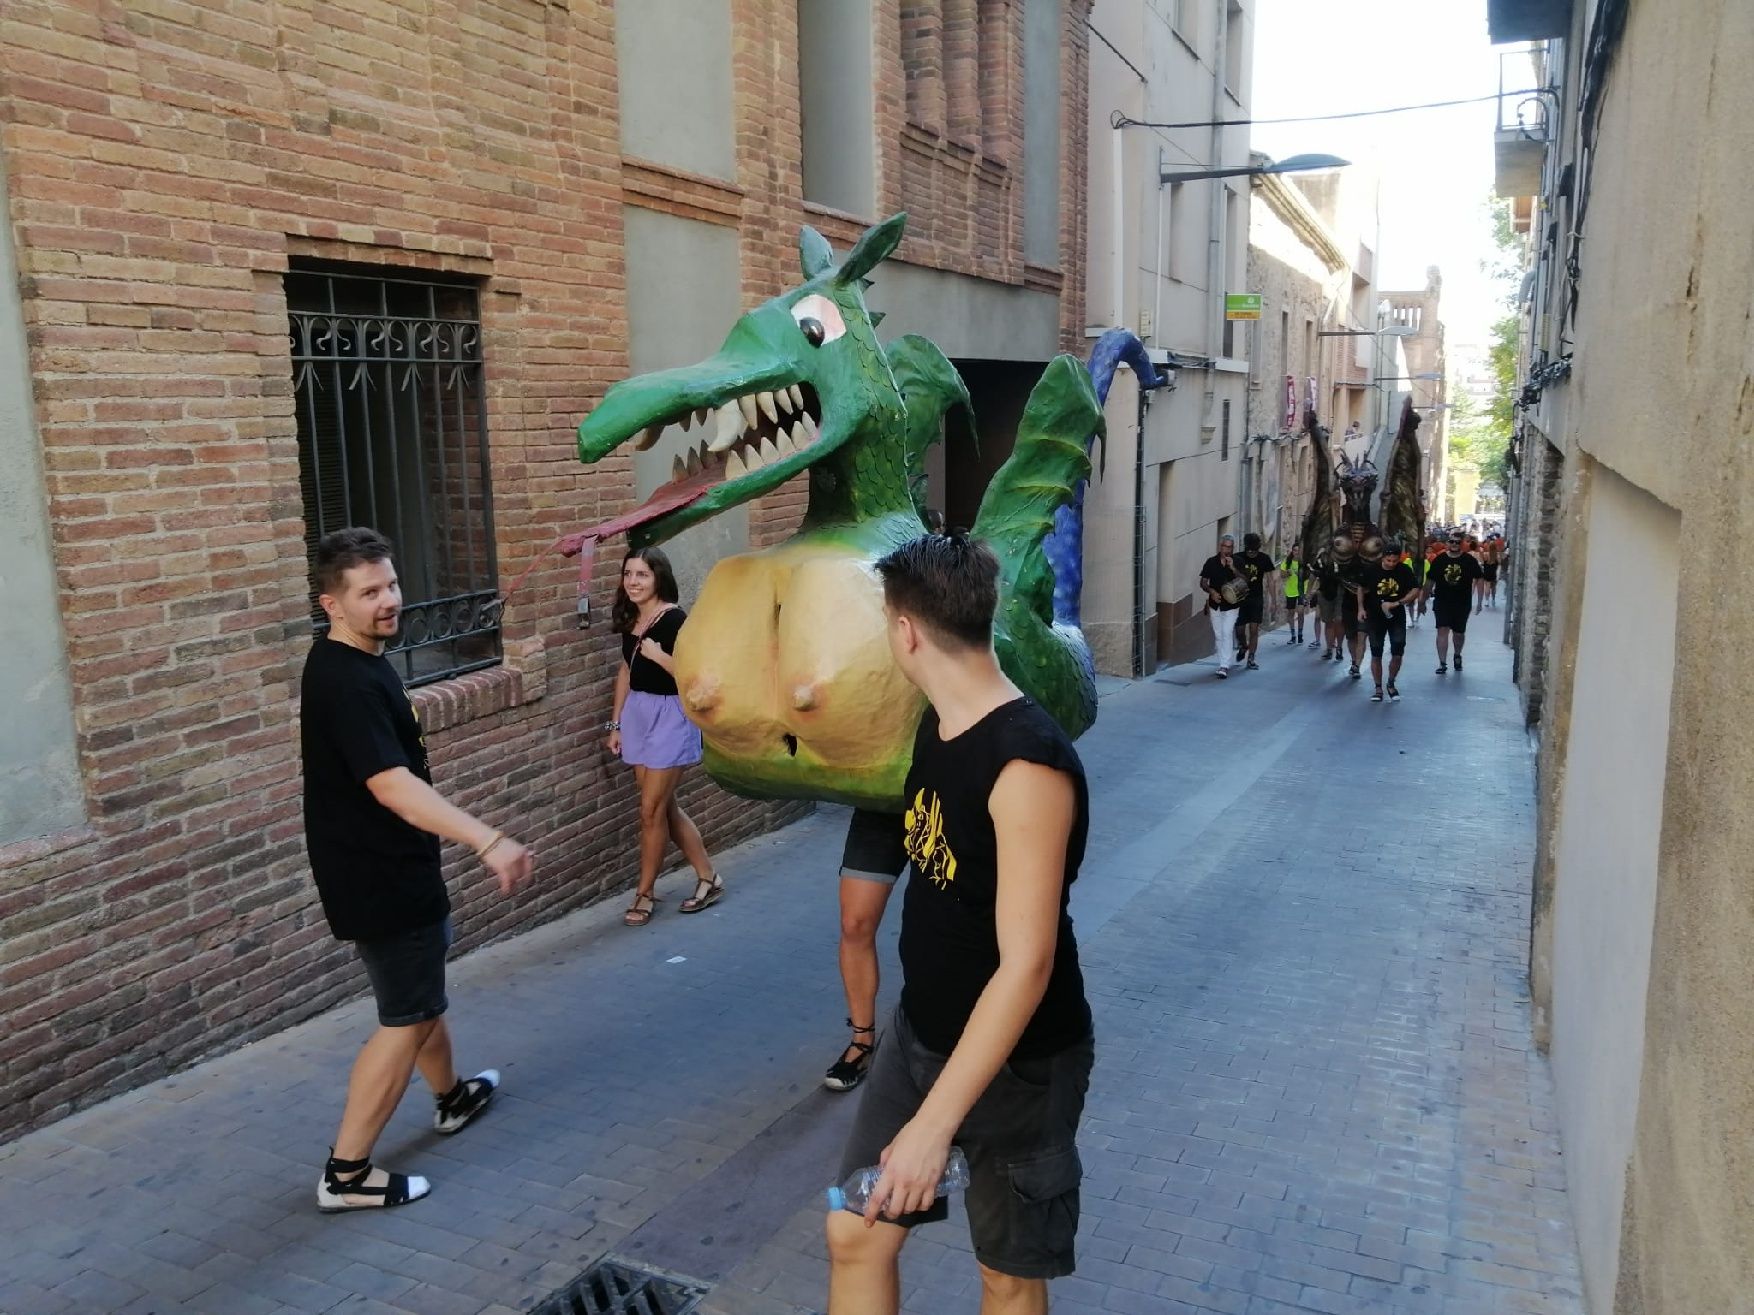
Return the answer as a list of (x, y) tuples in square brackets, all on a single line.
[(814, 253), (872, 248)]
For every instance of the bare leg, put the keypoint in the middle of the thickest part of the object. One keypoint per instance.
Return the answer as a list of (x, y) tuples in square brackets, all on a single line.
[(434, 1059), (657, 787), (687, 837), (1001, 1294), (861, 911), (863, 1277), (374, 1088), (1443, 648), (1394, 666), (1376, 668)]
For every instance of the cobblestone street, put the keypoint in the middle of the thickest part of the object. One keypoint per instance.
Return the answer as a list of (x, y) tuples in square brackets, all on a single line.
[(1303, 923)]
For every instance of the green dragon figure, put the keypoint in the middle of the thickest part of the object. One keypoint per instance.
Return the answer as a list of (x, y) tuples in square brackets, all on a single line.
[(784, 663)]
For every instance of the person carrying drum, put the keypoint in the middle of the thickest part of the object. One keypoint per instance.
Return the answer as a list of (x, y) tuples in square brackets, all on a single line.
[(1225, 589)]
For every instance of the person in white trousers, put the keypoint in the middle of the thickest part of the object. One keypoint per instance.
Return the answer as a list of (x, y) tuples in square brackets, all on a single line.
[(1218, 571)]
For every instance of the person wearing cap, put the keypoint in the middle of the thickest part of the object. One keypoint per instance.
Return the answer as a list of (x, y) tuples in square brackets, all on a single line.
[(1388, 589)]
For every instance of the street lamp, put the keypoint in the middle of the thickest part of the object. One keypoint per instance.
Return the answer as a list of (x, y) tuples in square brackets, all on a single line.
[(1289, 165)]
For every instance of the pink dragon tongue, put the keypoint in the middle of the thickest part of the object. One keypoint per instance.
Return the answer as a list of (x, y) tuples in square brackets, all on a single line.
[(667, 499)]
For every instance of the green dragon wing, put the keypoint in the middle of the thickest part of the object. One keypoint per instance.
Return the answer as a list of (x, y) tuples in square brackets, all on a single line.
[(930, 386), (1320, 524), (1044, 467)]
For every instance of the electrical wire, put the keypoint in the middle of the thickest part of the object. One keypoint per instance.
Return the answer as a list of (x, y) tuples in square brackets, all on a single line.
[(1119, 120)]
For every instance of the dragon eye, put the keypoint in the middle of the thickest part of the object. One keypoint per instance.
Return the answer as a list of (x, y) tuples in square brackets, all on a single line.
[(819, 319)]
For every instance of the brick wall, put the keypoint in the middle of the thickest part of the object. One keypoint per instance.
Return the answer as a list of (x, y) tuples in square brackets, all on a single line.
[(164, 168)]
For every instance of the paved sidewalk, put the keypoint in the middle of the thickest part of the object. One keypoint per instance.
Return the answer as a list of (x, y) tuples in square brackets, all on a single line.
[(1315, 1089)]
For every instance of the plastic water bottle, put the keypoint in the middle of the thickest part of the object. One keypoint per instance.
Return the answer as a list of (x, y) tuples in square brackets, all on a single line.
[(855, 1193)]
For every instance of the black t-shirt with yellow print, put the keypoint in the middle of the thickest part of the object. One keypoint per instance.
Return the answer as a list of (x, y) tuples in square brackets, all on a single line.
[(1388, 586), (1452, 578), (949, 937)]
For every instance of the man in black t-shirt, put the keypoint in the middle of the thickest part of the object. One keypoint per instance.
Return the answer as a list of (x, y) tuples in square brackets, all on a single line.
[(1451, 582), (1218, 571), (990, 1049), (1257, 568), (372, 828), (1388, 588)]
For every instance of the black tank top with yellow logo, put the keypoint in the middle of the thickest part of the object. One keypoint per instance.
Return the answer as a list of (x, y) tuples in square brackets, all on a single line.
[(949, 939)]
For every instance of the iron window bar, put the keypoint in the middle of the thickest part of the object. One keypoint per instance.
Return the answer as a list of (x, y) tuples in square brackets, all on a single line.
[(388, 380)]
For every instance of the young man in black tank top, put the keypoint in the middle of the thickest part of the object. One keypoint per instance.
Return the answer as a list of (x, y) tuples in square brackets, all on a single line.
[(991, 1047)]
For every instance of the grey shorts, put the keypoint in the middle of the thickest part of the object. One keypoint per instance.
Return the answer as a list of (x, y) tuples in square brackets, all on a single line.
[(874, 850), (1328, 609), (1019, 1139), (407, 973)]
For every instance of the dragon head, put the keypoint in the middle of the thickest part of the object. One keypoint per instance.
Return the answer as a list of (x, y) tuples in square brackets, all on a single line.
[(799, 384), (1357, 483)]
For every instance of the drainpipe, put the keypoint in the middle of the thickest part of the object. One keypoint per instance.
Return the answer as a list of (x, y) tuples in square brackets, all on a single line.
[(1215, 223), (1139, 535)]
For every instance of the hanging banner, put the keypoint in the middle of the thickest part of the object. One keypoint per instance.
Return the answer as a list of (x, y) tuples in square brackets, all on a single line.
[(1290, 403)]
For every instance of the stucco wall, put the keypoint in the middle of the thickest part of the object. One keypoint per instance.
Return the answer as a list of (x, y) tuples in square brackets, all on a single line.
[(1662, 396), (1610, 818), (39, 777)]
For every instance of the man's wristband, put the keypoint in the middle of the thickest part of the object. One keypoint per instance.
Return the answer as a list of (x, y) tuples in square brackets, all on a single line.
[(487, 849), (611, 725)]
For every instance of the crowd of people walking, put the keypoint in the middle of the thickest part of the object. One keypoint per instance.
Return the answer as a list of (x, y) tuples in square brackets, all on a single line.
[(1360, 604)]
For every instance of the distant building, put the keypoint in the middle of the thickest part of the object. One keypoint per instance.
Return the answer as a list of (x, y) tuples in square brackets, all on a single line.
[(1162, 255)]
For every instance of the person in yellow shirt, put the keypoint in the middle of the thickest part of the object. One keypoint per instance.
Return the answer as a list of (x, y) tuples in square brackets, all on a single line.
[(1292, 569)]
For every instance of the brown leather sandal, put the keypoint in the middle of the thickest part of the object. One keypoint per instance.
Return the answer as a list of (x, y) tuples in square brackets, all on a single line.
[(635, 915), (706, 894)]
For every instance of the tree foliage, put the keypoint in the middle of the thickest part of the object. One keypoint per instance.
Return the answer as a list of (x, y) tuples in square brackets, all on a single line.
[(1479, 436)]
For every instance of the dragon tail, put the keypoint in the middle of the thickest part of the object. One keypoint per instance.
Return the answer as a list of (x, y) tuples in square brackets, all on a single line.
[(1047, 466), (1064, 545)]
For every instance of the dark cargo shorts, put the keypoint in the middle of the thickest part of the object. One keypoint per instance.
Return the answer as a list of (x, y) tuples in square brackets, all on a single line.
[(1019, 1139), (874, 849), (407, 973)]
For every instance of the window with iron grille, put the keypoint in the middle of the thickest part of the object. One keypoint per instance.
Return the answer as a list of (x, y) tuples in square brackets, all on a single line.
[(392, 433)]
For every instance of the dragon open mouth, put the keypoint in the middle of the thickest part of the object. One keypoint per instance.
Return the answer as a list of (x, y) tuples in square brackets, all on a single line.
[(748, 434)]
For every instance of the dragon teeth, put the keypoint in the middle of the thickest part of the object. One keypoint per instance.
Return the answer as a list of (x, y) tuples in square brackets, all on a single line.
[(768, 408), (809, 427), (734, 467), (797, 395), (752, 458), (686, 420), (648, 438), (701, 414), (693, 462), (704, 454), (750, 412), (769, 452), (678, 470), (784, 444), (730, 427), (784, 397), (799, 436)]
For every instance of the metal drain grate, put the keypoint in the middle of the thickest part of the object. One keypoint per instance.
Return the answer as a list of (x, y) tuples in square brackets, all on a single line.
[(612, 1287)]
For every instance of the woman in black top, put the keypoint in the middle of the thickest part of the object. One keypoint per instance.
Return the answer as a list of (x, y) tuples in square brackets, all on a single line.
[(650, 731)]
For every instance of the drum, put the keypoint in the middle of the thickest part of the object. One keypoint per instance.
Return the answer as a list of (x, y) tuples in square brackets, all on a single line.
[(1233, 591)]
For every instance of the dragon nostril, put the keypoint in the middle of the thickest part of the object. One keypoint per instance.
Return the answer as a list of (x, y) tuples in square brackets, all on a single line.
[(791, 745)]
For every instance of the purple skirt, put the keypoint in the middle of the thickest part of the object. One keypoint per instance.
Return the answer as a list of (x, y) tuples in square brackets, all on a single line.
[(655, 733)]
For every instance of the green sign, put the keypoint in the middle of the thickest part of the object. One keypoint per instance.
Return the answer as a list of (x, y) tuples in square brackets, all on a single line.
[(1242, 305)]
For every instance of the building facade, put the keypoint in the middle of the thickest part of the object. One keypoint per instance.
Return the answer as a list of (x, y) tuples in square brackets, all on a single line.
[(273, 270), (1161, 255), (1632, 457), (1305, 281), (1418, 315)]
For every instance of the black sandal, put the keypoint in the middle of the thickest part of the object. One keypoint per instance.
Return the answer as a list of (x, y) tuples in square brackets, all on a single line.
[(345, 1178), (706, 894), (845, 1074)]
